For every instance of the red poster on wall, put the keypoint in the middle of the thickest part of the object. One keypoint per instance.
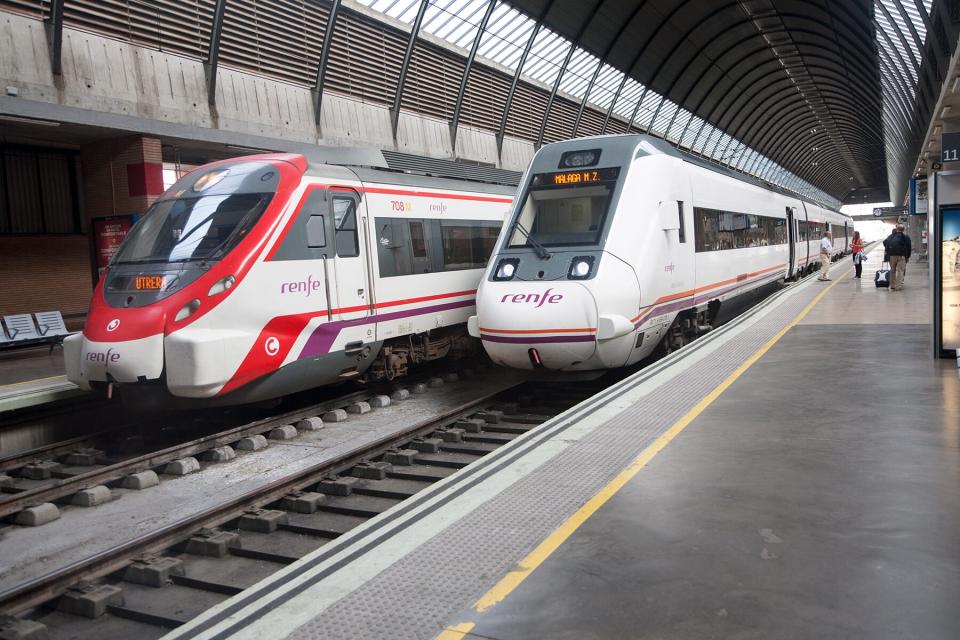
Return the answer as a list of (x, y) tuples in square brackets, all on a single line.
[(108, 235)]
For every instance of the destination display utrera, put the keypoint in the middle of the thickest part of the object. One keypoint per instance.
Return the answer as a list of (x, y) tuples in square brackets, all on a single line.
[(950, 279)]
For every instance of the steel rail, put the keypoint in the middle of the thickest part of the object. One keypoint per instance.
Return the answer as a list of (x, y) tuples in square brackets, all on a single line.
[(44, 588), (13, 503)]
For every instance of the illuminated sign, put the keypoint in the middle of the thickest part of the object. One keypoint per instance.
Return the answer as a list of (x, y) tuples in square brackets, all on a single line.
[(575, 178), (149, 283), (950, 279)]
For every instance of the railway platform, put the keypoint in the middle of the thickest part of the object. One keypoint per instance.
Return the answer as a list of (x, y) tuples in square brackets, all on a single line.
[(792, 474), (33, 376)]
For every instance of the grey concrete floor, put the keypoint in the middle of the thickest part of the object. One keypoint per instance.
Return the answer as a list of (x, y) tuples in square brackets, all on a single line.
[(818, 497), (30, 363)]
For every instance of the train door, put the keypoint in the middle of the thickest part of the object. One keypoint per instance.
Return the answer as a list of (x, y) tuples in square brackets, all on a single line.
[(805, 237), (846, 237), (791, 240), (352, 280)]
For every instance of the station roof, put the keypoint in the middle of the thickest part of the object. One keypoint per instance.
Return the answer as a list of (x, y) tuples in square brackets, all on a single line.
[(819, 97), (802, 82)]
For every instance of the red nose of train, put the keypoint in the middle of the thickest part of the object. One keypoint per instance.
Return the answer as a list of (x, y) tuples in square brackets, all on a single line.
[(117, 345), (527, 325)]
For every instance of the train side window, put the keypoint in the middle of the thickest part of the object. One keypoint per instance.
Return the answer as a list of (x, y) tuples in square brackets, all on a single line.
[(417, 241), (706, 229), (345, 222), (316, 232), (683, 231), (467, 245)]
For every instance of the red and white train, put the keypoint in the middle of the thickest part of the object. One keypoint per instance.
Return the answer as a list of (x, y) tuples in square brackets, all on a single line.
[(620, 245), (257, 277)]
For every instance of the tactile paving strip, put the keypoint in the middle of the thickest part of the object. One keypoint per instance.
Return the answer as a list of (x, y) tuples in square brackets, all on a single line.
[(416, 596)]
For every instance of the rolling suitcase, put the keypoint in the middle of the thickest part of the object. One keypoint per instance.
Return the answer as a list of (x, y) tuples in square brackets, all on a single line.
[(882, 277)]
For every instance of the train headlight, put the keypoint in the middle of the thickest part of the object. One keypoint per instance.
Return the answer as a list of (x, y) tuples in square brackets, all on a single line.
[(188, 310), (221, 285), (506, 269), (580, 268)]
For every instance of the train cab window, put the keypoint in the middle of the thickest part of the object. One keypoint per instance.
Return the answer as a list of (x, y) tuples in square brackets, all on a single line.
[(316, 232), (556, 217), (345, 222), (683, 231)]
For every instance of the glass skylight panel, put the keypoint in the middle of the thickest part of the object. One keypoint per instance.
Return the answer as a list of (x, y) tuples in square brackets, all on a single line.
[(508, 32), (605, 87), (631, 92), (646, 110), (578, 74)]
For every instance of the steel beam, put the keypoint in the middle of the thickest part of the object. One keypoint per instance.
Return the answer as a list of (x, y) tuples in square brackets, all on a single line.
[(606, 54), (213, 53), (55, 36), (466, 75), (682, 41), (553, 93), (324, 57), (574, 43), (404, 67), (633, 63), (516, 76)]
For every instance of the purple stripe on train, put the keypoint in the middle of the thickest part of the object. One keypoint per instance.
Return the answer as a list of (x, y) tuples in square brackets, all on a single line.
[(322, 338), (684, 303)]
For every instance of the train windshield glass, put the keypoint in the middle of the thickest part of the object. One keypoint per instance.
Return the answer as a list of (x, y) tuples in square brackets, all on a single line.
[(556, 217), (203, 216)]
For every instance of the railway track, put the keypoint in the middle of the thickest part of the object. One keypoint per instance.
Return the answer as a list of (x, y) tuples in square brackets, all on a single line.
[(67, 468), (164, 578)]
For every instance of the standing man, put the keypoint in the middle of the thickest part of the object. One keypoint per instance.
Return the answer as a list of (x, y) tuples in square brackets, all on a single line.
[(826, 253), (898, 248)]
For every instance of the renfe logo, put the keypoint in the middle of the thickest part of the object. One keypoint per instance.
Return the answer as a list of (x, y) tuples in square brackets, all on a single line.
[(104, 358), (537, 299), (306, 287)]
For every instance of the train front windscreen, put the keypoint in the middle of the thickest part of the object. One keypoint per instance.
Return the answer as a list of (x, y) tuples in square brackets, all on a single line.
[(193, 224), (565, 208)]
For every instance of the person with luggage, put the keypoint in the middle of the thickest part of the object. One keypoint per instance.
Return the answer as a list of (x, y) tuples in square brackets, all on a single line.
[(857, 247), (898, 248), (826, 252)]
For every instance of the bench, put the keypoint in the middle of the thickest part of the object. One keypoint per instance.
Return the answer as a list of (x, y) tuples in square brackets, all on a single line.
[(45, 327)]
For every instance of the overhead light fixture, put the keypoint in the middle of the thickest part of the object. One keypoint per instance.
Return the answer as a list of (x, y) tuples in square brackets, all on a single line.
[(26, 120), (937, 129), (945, 112), (956, 85)]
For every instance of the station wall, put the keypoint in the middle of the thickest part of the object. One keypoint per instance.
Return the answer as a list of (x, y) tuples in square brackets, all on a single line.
[(110, 76)]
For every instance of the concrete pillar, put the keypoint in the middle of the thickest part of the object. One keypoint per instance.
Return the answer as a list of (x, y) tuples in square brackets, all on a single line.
[(121, 176)]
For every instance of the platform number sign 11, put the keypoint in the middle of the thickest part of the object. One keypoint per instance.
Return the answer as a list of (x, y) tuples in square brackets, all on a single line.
[(950, 147)]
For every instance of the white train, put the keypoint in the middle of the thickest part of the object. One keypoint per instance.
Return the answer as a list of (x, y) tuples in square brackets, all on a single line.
[(620, 245), (256, 277)]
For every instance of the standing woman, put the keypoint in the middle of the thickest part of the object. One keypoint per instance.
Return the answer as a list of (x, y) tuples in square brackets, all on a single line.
[(857, 246)]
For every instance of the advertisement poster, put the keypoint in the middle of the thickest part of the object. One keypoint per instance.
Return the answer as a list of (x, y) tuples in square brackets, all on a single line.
[(920, 199), (950, 279), (108, 235)]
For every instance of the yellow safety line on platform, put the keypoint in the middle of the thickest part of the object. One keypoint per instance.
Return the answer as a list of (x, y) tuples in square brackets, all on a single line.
[(456, 632), (528, 565)]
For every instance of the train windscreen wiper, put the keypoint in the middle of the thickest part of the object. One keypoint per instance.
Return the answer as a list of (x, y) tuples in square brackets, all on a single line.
[(539, 248)]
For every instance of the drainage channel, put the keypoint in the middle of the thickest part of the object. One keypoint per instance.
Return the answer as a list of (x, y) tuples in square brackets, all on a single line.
[(161, 581)]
